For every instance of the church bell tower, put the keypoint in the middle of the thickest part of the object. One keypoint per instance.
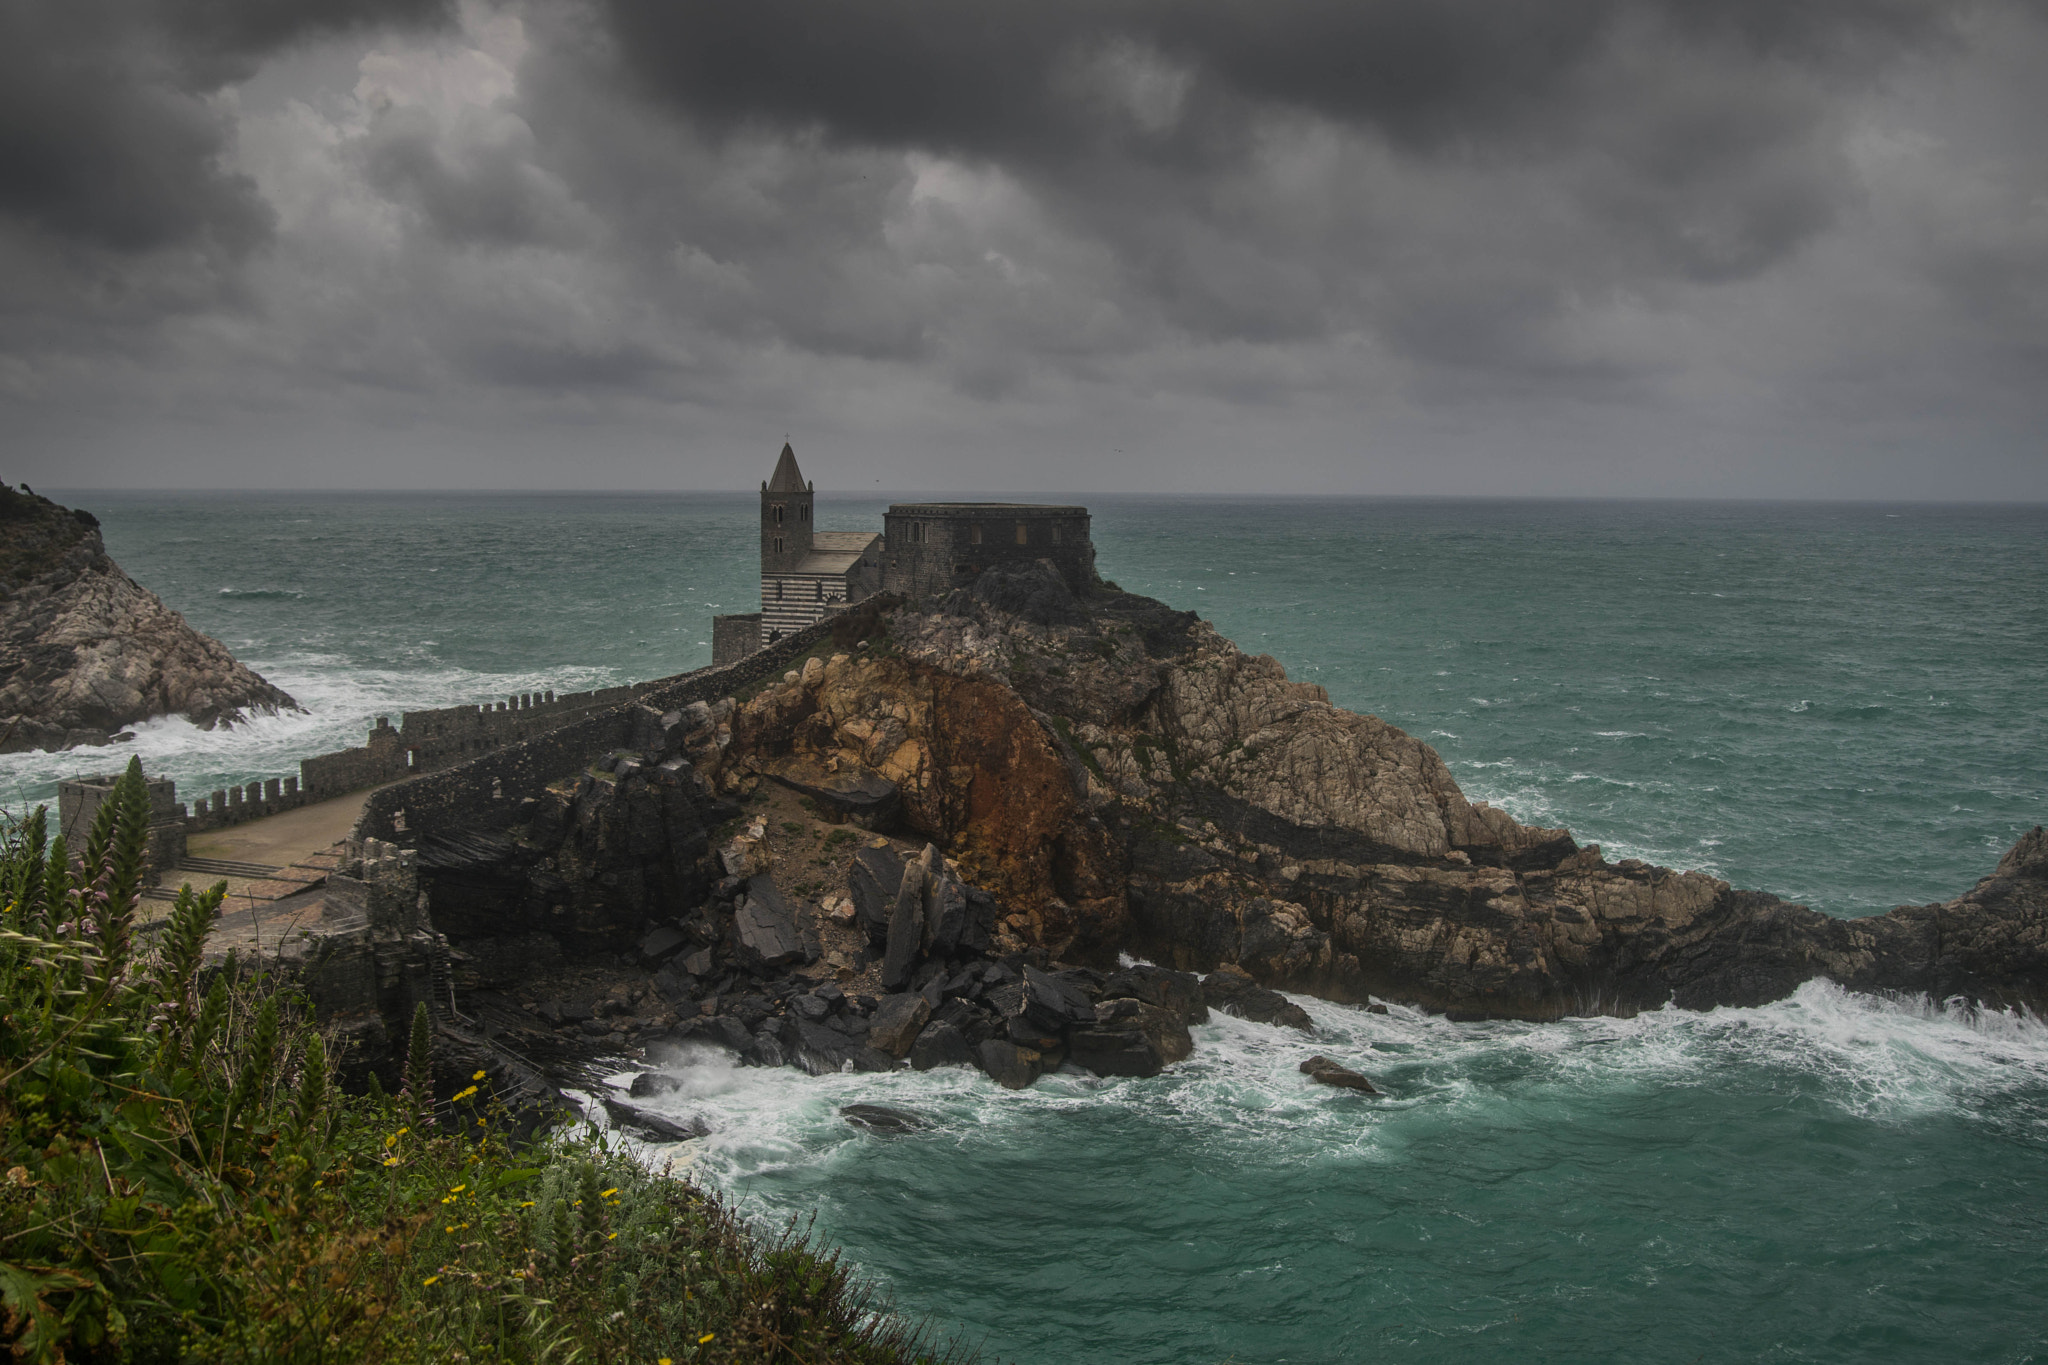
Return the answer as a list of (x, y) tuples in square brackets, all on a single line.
[(785, 516)]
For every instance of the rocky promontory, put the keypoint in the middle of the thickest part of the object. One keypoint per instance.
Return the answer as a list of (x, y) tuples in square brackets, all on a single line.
[(85, 650), (944, 835)]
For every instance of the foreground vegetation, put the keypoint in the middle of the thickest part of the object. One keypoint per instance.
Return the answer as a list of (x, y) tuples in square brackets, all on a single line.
[(183, 1182)]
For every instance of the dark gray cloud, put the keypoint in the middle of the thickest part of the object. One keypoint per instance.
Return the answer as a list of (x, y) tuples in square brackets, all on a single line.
[(1428, 243)]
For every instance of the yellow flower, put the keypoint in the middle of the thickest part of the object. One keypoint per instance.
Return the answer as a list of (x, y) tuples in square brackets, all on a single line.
[(664, 1361), (606, 1194), (390, 1161), (458, 1189), (609, 1235), (429, 1280), (479, 1076), (706, 1337), (526, 1204)]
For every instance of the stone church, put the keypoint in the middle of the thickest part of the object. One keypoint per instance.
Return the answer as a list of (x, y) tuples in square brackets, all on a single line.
[(924, 550)]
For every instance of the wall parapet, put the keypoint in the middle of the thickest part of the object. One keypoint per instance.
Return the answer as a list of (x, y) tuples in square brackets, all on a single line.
[(485, 792)]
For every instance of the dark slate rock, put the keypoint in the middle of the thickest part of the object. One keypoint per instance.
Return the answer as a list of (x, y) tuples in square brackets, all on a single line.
[(896, 1023), (811, 1006), (862, 796), (906, 930), (1130, 1038), (719, 1030), (821, 1051), (1232, 990), (880, 1118), (1323, 1071), (945, 915), (940, 1045), (1178, 993), (596, 1028), (1019, 1029), (764, 1049), (1010, 1066), (1053, 1002), (659, 943), (651, 1126), (677, 988), (876, 875), (852, 1025), (699, 963), (653, 1083), (1004, 1000), (767, 926)]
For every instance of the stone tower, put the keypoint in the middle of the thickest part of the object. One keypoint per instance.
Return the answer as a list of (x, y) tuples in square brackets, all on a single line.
[(785, 516)]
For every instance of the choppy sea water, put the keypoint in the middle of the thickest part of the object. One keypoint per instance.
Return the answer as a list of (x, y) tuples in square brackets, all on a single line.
[(1841, 704)]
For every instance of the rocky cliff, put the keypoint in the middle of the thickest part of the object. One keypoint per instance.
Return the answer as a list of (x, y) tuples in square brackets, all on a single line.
[(940, 836), (85, 650), (1124, 779)]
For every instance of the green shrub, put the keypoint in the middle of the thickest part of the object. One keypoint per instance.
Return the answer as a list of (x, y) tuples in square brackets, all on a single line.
[(181, 1180)]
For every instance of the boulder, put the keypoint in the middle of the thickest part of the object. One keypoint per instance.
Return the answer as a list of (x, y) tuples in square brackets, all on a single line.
[(872, 882), (658, 943), (897, 1021), (880, 1118), (650, 1126), (1323, 1071), (854, 794), (719, 1030), (653, 1083), (1130, 1038), (1178, 993), (1053, 1002), (940, 1044), (906, 927), (767, 926), (822, 1051), (1231, 989), (1010, 1066)]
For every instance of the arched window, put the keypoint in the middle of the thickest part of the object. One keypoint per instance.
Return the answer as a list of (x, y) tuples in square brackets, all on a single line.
[(1023, 534), (974, 535), (775, 513), (1055, 533)]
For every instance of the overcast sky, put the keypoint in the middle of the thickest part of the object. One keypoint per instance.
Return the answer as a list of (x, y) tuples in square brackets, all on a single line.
[(1621, 247)]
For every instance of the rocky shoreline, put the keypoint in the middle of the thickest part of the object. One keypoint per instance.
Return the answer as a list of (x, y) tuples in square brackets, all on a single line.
[(936, 837), (85, 650)]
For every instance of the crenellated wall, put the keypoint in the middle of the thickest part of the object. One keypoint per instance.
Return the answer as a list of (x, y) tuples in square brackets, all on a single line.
[(485, 792), (422, 742)]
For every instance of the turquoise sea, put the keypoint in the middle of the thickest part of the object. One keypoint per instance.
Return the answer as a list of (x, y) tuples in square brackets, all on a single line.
[(1843, 704)]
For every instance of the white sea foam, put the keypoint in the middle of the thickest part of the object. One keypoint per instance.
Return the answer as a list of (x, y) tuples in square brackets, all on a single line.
[(1875, 1059)]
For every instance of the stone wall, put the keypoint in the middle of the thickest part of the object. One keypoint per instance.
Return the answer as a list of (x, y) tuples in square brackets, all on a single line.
[(929, 549), (484, 793)]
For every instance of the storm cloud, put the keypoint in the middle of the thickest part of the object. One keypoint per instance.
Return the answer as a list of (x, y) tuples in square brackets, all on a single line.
[(1616, 246)]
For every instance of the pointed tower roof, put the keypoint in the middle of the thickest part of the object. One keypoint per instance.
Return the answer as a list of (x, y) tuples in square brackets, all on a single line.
[(787, 478)]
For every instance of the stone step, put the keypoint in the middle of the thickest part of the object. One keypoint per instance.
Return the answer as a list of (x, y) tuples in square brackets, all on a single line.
[(224, 867)]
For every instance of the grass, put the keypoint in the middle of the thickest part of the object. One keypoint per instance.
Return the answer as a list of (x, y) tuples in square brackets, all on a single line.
[(182, 1181)]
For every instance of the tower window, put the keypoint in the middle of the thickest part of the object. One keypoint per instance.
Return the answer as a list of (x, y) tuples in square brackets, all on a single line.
[(974, 535), (1055, 533), (1023, 534), (775, 512), (778, 544), (818, 590), (778, 590)]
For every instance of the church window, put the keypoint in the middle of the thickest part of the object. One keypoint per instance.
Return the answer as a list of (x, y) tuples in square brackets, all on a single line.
[(1023, 534), (974, 535), (778, 586), (775, 512), (1055, 533), (778, 544), (818, 590)]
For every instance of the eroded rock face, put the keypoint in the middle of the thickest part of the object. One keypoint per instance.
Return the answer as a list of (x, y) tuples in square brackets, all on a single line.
[(85, 650), (1123, 779)]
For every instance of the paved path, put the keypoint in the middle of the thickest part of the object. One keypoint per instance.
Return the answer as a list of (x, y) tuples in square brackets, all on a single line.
[(280, 840)]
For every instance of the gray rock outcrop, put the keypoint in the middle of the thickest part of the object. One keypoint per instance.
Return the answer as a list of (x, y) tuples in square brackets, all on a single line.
[(85, 650)]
